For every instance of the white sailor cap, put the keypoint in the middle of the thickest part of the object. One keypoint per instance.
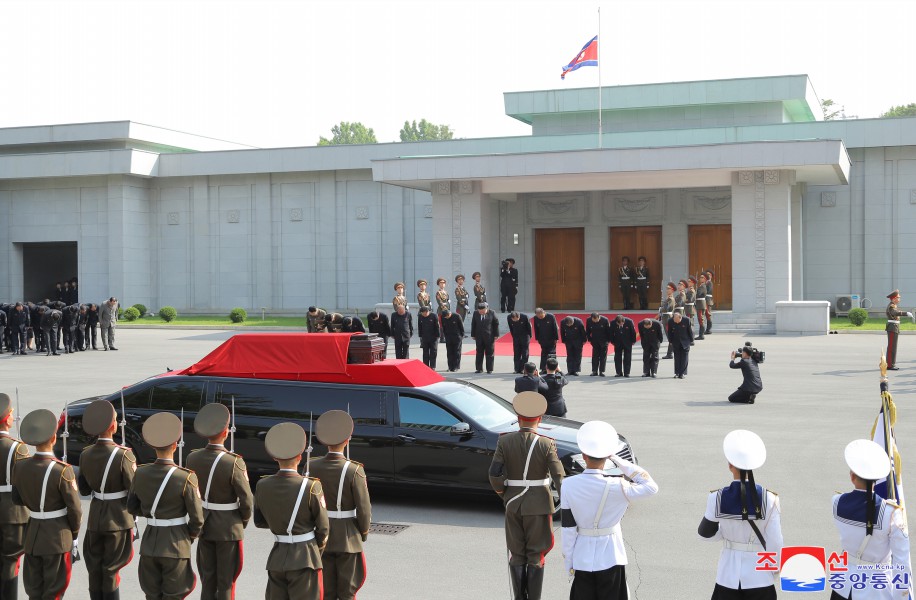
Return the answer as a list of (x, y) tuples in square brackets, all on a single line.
[(597, 439), (867, 459), (744, 450)]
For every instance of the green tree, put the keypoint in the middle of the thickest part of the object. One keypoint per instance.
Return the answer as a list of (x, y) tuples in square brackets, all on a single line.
[(349, 133), (908, 110), (830, 113), (424, 131)]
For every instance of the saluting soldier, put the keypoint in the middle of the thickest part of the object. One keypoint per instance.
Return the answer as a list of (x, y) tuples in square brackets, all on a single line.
[(666, 311), (461, 297), (745, 516), (523, 466), (167, 495), (701, 304), (13, 518), (480, 292), (423, 298), (294, 509), (47, 487), (453, 332), (347, 493), (227, 502), (893, 328), (106, 474), (399, 298), (315, 319), (625, 281), (642, 283), (709, 304)]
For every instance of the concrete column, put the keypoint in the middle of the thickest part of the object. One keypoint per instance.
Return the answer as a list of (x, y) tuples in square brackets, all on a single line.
[(597, 257), (201, 267), (326, 213), (116, 249), (263, 267), (798, 275)]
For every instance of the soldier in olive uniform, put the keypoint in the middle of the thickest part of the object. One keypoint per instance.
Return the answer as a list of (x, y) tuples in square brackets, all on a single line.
[(480, 292), (106, 474), (294, 509), (666, 312), (423, 298), (461, 297), (167, 495), (47, 487), (625, 282), (345, 489), (701, 304), (333, 322), (227, 502), (690, 304), (399, 298), (442, 303), (893, 328), (680, 297), (709, 275), (13, 518), (315, 320), (523, 466)]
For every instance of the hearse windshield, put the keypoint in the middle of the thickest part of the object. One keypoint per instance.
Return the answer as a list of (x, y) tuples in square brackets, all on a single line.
[(487, 409)]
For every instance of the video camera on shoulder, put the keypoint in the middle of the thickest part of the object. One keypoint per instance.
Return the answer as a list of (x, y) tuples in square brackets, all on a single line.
[(757, 356)]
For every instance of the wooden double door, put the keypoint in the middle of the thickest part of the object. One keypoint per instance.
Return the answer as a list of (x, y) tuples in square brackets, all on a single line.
[(559, 266), (711, 249), (635, 242)]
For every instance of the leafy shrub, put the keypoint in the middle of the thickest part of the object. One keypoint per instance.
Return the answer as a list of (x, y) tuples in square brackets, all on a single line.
[(131, 314), (238, 315), (120, 313), (140, 309), (858, 316), (168, 314)]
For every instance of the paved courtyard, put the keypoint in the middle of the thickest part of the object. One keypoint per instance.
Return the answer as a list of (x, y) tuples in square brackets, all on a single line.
[(820, 393)]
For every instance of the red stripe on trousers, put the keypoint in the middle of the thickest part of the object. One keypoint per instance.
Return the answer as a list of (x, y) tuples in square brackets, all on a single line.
[(239, 570), (891, 351), (69, 565)]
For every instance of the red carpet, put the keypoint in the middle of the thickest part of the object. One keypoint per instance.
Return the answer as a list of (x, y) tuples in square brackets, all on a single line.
[(504, 343)]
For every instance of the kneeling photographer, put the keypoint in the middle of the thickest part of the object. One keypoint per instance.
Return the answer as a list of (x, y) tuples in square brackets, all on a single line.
[(748, 359)]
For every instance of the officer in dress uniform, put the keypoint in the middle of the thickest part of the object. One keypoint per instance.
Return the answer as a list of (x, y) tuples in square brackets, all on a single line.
[(428, 329), (423, 298), (106, 474), (709, 275), (666, 311), (453, 331), (642, 283), (168, 496), (690, 303), (399, 298), (13, 518), (347, 493), (461, 297), (47, 487), (745, 516), (480, 292), (625, 282), (680, 297), (442, 304), (873, 531), (701, 304), (592, 506), (520, 330), (333, 322), (293, 508), (523, 466), (893, 328), (227, 502), (315, 319), (598, 333)]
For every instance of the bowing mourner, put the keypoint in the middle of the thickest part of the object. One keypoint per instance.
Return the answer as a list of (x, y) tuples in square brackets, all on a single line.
[(485, 331), (14, 518), (47, 487), (106, 474), (293, 508), (349, 510), (873, 531), (167, 495), (745, 517), (523, 466), (592, 506), (227, 502)]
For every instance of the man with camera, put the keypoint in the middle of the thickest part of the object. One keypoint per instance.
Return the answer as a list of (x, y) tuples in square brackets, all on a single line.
[(531, 381), (508, 285), (556, 381), (748, 357)]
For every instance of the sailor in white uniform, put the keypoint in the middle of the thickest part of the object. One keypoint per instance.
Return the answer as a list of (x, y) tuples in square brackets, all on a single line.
[(592, 506), (745, 516), (872, 530)]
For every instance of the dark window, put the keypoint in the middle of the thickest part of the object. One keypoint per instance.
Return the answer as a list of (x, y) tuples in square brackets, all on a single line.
[(417, 413), (136, 399), (297, 402), (177, 395)]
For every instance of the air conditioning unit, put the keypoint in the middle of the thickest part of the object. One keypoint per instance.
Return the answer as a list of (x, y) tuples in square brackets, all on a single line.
[(846, 303)]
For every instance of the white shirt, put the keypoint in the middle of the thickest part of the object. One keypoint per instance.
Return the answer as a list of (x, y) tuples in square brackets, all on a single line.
[(739, 566), (581, 494), (889, 545)]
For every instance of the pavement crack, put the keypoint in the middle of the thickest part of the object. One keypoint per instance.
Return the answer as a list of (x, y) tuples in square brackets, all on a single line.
[(638, 570)]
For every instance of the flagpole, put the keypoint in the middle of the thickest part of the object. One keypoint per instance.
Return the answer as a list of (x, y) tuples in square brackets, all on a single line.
[(599, 76)]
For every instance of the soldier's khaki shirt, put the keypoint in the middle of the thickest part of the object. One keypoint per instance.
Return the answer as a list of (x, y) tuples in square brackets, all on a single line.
[(230, 484), (347, 535)]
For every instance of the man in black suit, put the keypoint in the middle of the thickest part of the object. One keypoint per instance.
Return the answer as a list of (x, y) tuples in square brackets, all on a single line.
[(401, 331), (453, 330), (556, 404), (428, 328), (18, 321), (546, 334), (531, 381), (598, 333), (651, 336), (680, 334), (378, 324), (484, 330), (572, 334), (508, 285), (623, 336), (520, 329)]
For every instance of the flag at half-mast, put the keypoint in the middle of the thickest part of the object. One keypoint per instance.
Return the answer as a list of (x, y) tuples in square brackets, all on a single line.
[(587, 57)]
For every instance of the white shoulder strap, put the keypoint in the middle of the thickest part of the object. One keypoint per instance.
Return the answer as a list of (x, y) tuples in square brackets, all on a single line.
[(9, 462), (607, 488), (210, 476), (44, 487), (292, 517), (108, 468), (343, 477), (165, 480)]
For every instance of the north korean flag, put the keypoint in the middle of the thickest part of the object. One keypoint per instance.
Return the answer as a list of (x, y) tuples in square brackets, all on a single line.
[(587, 57)]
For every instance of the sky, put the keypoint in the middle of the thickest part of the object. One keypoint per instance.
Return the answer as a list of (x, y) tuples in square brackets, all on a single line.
[(282, 73)]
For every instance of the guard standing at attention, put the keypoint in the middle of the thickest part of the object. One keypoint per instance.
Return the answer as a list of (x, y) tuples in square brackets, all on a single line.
[(13, 518), (428, 328), (598, 333), (423, 298), (893, 328), (690, 302), (701, 304), (709, 304), (294, 509), (350, 511), (167, 496), (106, 473), (520, 330), (625, 282), (745, 516), (453, 331), (442, 303), (227, 502), (47, 487), (592, 506), (642, 283), (399, 298), (523, 466), (401, 331), (461, 297), (315, 319), (480, 292), (666, 311), (680, 297)]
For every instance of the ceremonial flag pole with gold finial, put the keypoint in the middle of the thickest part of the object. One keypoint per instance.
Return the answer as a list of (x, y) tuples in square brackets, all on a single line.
[(882, 433)]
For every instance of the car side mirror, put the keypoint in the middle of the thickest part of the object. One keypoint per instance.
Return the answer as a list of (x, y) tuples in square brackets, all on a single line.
[(460, 429)]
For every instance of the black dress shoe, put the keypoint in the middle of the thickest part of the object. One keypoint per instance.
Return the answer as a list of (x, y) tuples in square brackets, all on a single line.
[(653, 375), (489, 372), (478, 371), (619, 375), (893, 368), (601, 374), (595, 374), (625, 375), (667, 357), (692, 344), (113, 348), (645, 374)]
